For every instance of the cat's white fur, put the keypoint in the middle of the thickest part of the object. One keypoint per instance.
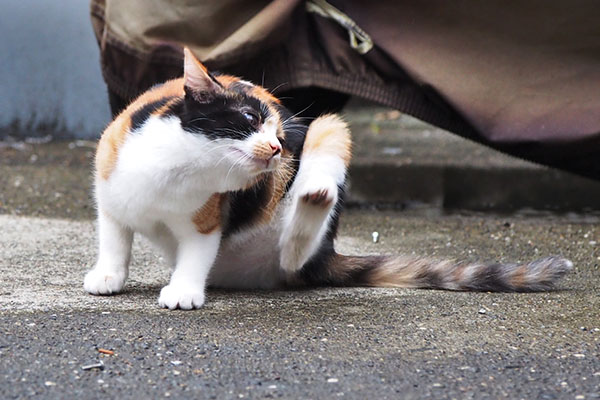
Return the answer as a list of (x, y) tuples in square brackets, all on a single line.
[(164, 175), (305, 225)]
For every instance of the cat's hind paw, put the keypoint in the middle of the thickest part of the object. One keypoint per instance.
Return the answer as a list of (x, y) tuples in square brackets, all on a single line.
[(320, 198), (319, 192), (184, 297), (101, 282)]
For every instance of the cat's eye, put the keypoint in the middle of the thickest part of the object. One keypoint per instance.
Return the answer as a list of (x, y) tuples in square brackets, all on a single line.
[(252, 117)]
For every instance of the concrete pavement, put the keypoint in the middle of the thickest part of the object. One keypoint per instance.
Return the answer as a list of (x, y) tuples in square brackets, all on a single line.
[(321, 343)]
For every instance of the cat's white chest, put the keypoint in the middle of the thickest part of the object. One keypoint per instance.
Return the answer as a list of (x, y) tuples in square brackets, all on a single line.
[(163, 170)]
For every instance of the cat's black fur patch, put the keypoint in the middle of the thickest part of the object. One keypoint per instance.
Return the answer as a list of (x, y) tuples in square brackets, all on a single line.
[(295, 132), (490, 278), (221, 115), (246, 206), (139, 117)]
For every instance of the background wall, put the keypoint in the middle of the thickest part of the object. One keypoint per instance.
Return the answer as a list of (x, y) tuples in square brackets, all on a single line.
[(50, 79)]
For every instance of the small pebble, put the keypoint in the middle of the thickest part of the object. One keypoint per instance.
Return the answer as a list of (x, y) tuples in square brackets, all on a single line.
[(176, 362), (375, 236), (99, 366), (482, 311)]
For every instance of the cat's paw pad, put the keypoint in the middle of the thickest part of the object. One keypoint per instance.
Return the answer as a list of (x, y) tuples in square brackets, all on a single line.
[(102, 282), (321, 194), (320, 198), (184, 297)]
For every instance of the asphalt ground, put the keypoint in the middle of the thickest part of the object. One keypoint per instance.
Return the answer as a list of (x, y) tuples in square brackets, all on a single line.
[(318, 343)]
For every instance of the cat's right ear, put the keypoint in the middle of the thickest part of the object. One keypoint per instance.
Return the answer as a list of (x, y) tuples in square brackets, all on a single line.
[(199, 83)]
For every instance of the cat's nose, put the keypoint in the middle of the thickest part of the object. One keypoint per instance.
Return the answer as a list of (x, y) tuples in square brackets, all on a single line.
[(276, 148)]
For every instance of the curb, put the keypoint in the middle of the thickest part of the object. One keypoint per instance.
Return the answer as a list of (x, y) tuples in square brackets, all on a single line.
[(470, 188)]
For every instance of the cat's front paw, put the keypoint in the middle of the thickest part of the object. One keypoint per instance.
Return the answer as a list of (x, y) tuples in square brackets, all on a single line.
[(101, 281), (182, 296)]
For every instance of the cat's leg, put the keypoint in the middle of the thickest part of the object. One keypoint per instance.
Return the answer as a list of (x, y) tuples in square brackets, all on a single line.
[(314, 193), (112, 267), (162, 237), (307, 220), (196, 254)]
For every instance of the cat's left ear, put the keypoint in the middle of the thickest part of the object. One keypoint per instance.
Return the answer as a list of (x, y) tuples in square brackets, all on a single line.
[(197, 79)]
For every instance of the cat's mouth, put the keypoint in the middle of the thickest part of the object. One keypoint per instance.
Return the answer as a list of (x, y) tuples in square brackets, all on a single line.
[(261, 163)]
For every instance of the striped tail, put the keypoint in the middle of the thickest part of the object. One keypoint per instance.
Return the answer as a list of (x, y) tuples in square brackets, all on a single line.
[(418, 272)]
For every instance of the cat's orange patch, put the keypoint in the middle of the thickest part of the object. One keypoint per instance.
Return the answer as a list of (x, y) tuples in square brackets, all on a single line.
[(208, 218), (227, 80), (164, 109), (263, 95), (519, 277), (329, 134), (116, 133), (459, 272), (255, 91), (277, 183), (172, 88), (108, 147), (262, 151)]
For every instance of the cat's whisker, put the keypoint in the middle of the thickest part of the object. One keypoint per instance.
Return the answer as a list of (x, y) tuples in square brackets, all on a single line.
[(300, 112), (218, 147), (221, 159), (201, 119), (278, 86), (240, 160)]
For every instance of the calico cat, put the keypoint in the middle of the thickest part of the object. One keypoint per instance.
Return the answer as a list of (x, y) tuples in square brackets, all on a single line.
[(238, 193)]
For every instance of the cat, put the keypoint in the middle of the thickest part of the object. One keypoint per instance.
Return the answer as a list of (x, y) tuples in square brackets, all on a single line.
[(238, 193)]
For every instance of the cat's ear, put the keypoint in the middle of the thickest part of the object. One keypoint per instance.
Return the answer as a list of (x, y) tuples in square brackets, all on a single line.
[(198, 81)]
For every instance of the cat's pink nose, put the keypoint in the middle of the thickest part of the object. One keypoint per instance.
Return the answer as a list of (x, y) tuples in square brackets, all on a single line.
[(276, 148)]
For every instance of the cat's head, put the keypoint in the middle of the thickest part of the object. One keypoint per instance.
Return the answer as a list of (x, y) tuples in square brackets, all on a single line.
[(241, 117)]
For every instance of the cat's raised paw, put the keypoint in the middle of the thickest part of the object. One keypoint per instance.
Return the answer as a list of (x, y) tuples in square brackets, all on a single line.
[(184, 297), (101, 282)]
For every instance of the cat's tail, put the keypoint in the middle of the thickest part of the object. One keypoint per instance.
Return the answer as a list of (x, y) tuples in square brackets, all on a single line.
[(420, 272)]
